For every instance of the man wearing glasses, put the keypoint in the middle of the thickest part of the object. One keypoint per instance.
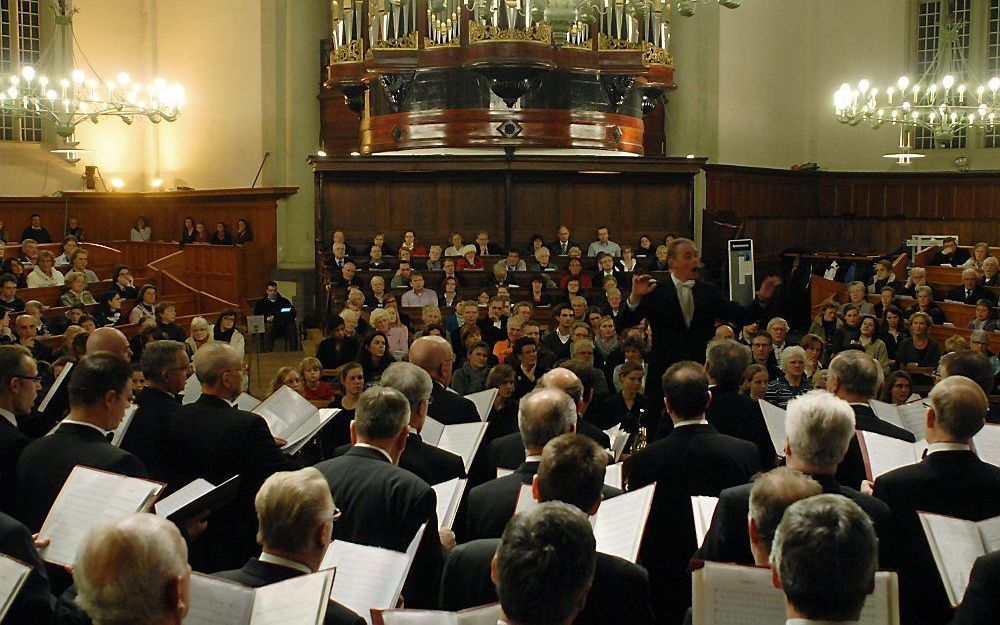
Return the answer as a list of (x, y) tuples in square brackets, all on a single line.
[(19, 385), (26, 328), (296, 513)]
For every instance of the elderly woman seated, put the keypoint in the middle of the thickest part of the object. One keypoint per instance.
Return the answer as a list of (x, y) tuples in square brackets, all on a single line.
[(793, 382), (856, 295), (925, 304), (979, 341)]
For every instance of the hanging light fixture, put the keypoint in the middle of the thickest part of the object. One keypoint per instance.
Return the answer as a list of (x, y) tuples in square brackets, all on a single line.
[(57, 89)]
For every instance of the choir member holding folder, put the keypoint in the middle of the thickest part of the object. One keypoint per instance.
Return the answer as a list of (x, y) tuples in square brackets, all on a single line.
[(950, 480)]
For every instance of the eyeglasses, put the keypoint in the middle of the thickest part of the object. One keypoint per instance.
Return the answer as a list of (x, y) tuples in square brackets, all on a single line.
[(34, 378)]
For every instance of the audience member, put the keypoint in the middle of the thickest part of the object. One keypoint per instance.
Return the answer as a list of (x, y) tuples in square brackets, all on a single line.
[(166, 316), (79, 261), (950, 254), (925, 303), (35, 231), (919, 349), (375, 356), (26, 328), (76, 292), (604, 244), (338, 431), (109, 310), (792, 381), (313, 387), (244, 232), (971, 291), (141, 232), (45, 273), (9, 301), (74, 229), (279, 318), (109, 340)]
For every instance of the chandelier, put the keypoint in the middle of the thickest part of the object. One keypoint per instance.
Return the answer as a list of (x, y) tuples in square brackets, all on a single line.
[(57, 90), (937, 102)]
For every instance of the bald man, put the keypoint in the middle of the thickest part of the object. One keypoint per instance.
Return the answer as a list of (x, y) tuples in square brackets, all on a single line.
[(434, 355), (109, 340)]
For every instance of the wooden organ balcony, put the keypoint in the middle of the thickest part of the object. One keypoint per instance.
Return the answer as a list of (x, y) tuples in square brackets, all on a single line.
[(432, 74)]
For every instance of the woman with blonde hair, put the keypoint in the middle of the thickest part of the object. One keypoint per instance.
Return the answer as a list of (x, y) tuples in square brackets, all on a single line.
[(287, 376), (201, 335)]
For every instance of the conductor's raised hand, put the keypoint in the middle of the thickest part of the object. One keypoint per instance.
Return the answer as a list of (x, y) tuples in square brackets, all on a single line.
[(642, 285), (768, 287)]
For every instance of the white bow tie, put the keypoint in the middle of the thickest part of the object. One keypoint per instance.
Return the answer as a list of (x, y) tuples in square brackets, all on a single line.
[(686, 284)]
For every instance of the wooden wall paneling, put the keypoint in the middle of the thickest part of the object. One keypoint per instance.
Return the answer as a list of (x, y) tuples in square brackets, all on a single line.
[(536, 208)]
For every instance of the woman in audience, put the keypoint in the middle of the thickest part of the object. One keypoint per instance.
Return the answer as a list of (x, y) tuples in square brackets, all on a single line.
[(888, 298), (819, 379), (503, 413), (68, 247), (979, 341), (188, 233), (378, 240), (124, 283), (847, 336), (538, 295), (146, 306), (919, 350), (376, 296), (813, 346), (628, 262), (755, 382), (221, 236), (434, 258), (979, 255), (925, 304), (634, 350), (455, 249), (410, 244), (109, 310), (141, 232), (66, 351), (856, 297), (147, 330), (398, 334), (897, 388), (338, 432), (225, 331), (244, 233), (76, 292), (15, 268), (575, 270), (313, 387), (166, 315), (287, 376), (572, 289), (79, 260), (659, 263), (201, 335), (201, 234), (628, 406), (645, 250), (471, 377), (392, 302), (449, 293), (991, 271), (893, 331), (984, 319), (469, 260), (793, 383), (45, 273), (872, 344), (535, 243), (374, 356)]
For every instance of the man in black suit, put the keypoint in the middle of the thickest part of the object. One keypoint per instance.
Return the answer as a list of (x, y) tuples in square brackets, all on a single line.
[(34, 603), (493, 327), (165, 365), (384, 505), (279, 317), (854, 377), (544, 414), (429, 463), (347, 276), (139, 561), (485, 248), (819, 428), (950, 254), (100, 388), (571, 471), (950, 480), (544, 566), (295, 513), (562, 244), (36, 231), (559, 338), (434, 355), (693, 460), (971, 291), (824, 558), (26, 328), (731, 412), (212, 440), (682, 312), (981, 603), (19, 384)]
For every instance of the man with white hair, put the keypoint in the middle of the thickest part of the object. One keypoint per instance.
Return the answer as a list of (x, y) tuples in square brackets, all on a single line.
[(434, 355), (778, 329), (134, 571), (824, 558), (295, 513), (818, 428), (971, 291)]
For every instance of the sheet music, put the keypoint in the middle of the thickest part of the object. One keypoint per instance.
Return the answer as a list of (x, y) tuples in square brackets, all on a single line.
[(485, 615), (182, 497), (987, 443), (297, 601), (449, 496), (288, 415), (247, 402), (913, 417), (432, 431), (368, 577), (613, 476), (730, 594), (192, 390), (12, 575), (774, 419), (525, 500), (462, 439), (90, 498), (484, 402), (885, 453), (315, 425), (703, 509), (502, 472), (989, 530), (955, 544), (618, 441), (123, 426), (218, 602), (620, 522), (63, 377)]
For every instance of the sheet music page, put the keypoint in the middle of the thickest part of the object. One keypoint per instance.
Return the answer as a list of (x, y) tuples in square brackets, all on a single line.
[(368, 577), (59, 381), (987, 443), (12, 575), (886, 453), (432, 431), (913, 417), (618, 442), (485, 615), (526, 500), (989, 529), (449, 495), (774, 419), (247, 402), (885, 411), (296, 601), (613, 475), (502, 472), (730, 594), (703, 508), (483, 401), (218, 602), (463, 439), (123, 426), (192, 390), (287, 414), (955, 544), (182, 497), (620, 522), (315, 424), (90, 498)]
